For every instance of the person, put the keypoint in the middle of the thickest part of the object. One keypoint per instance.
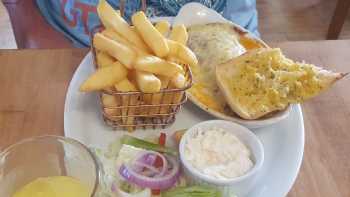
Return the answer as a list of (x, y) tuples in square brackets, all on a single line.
[(75, 19)]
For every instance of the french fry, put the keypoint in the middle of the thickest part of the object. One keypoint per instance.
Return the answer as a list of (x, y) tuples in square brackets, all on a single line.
[(174, 60), (121, 52), (186, 54), (104, 77), (149, 50), (127, 100), (178, 80), (109, 101), (132, 77), (156, 65), (109, 89), (125, 86), (103, 59), (164, 80), (111, 19), (163, 27), (181, 53), (154, 39), (173, 48), (157, 97), (135, 31), (179, 34), (109, 33), (112, 113), (147, 82)]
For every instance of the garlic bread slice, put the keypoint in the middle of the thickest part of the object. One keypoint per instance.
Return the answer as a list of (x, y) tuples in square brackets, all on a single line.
[(262, 81)]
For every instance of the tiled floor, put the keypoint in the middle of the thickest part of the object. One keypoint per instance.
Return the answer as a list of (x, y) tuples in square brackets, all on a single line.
[(282, 20)]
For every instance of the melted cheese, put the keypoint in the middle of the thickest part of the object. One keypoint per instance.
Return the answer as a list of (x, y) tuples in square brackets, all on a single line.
[(213, 44), (249, 43)]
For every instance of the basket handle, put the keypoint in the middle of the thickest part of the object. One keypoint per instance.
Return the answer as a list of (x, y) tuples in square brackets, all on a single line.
[(122, 6)]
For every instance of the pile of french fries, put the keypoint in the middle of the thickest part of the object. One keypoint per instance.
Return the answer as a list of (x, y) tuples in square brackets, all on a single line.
[(142, 58)]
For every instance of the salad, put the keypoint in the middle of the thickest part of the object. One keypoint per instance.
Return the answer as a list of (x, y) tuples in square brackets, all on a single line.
[(133, 167)]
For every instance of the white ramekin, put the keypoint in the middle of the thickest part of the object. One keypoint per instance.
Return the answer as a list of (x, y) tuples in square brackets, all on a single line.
[(239, 186)]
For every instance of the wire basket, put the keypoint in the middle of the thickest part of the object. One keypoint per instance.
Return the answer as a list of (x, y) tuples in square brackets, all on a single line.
[(142, 110)]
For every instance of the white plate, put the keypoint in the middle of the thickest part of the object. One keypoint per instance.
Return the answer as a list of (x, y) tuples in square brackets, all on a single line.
[(283, 142)]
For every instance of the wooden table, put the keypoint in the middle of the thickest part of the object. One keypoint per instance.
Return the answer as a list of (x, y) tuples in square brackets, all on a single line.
[(33, 85)]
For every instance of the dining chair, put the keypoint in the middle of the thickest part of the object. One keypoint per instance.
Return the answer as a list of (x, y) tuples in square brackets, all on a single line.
[(30, 27), (338, 19)]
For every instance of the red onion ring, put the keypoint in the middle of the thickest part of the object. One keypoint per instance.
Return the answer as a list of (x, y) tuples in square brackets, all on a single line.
[(148, 158), (164, 182), (153, 169)]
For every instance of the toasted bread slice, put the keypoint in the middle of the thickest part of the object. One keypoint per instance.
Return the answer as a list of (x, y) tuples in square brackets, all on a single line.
[(262, 81)]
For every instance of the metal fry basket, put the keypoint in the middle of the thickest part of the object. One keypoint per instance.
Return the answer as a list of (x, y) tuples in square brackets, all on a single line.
[(142, 110)]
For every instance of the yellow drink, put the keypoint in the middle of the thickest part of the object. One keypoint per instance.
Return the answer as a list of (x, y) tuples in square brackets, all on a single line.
[(55, 186)]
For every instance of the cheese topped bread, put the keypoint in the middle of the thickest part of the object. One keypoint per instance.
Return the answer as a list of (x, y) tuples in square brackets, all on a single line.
[(263, 80)]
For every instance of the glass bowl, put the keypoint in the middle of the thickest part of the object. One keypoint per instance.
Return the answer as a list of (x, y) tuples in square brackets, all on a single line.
[(46, 156)]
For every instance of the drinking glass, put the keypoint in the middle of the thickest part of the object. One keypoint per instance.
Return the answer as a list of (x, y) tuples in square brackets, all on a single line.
[(46, 156)]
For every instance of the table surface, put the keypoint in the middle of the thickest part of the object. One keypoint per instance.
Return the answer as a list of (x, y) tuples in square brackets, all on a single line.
[(34, 84)]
